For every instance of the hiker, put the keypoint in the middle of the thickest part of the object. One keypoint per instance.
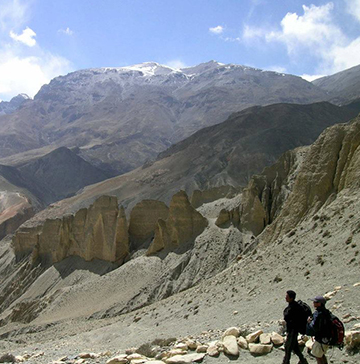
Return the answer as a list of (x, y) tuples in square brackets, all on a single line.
[(314, 329), (292, 315)]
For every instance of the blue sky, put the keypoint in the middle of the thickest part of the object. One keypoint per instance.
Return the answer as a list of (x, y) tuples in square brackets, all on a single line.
[(41, 39)]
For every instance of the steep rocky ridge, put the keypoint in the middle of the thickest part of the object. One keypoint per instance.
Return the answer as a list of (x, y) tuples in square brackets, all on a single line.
[(341, 87), (121, 117), (224, 154), (60, 174), (8, 107), (28, 188)]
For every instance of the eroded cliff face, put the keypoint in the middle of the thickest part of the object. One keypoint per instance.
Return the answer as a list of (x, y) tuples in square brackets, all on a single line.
[(183, 225), (99, 232), (143, 220), (331, 165), (302, 182)]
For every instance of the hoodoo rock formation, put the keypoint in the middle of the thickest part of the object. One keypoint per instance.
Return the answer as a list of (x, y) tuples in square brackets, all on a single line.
[(143, 220), (99, 232), (183, 225)]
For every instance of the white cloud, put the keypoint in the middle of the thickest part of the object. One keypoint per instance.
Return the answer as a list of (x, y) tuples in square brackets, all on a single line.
[(316, 34), (66, 31), (176, 63), (24, 69), (13, 13), (217, 30), (277, 69), (353, 7), (28, 74), (311, 78), (314, 29), (26, 37)]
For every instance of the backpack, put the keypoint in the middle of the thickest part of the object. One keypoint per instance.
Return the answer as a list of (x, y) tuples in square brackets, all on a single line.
[(305, 313), (332, 330)]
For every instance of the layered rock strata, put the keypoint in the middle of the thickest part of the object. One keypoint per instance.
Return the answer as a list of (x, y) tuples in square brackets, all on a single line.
[(99, 232), (183, 225)]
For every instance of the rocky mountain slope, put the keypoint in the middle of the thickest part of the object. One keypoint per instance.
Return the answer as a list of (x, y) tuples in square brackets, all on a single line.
[(341, 87), (224, 154), (8, 107), (308, 203), (28, 188), (121, 117)]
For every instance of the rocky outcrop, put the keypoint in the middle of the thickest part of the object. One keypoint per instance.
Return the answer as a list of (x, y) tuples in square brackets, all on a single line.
[(143, 220), (15, 208), (227, 217), (301, 182), (183, 225), (331, 165), (200, 197), (99, 232)]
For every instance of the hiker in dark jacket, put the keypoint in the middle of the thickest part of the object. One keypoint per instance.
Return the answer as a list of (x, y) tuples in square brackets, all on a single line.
[(314, 328), (292, 314)]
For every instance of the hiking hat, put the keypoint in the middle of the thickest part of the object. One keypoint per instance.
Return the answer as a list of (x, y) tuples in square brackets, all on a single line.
[(319, 299)]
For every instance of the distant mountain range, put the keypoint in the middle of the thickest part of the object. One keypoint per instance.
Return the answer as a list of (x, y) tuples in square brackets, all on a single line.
[(122, 117)]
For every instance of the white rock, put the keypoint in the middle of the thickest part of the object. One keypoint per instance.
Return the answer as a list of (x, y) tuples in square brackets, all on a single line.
[(265, 339), (230, 345), (277, 339), (234, 331), (154, 362), (139, 361), (19, 358), (182, 346), (213, 350), (192, 344), (330, 295), (135, 356), (260, 349), (202, 348), (118, 359), (243, 344), (253, 337), (337, 288), (174, 352), (80, 361), (356, 284), (352, 339), (89, 355), (185, 359)]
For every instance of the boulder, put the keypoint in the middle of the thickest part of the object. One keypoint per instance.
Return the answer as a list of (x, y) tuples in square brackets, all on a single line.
[(277, 339), (265, 339), (213, 350), (119, 359), (234, 331), (253, 337), (260, 349), (352, 340), (230, 345), (243, 344), (185, 359)]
